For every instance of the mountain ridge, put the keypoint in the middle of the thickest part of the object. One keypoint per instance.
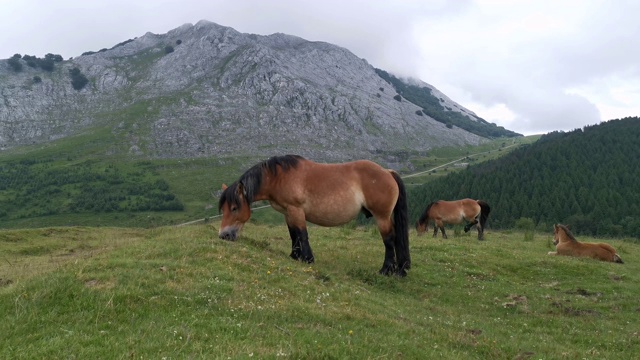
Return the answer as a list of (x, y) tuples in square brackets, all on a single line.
[(208, 90)]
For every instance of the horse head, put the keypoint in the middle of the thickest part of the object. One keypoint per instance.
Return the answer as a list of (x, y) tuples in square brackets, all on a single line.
[(556, 235), (235, 209), (561, 233), (421, 227)]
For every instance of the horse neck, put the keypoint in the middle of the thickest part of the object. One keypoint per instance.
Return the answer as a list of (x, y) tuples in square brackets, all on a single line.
[(253, 182), (262, 177), (564, 238), (424, 218)]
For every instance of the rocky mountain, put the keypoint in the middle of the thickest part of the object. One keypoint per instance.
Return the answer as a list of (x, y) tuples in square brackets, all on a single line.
[(209, 90)]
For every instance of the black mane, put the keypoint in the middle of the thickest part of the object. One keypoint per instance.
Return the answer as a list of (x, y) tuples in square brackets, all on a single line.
[(251, 180)]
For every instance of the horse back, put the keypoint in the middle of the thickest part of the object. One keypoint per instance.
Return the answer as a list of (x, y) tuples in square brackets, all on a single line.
[(600, 251), (331, 194)]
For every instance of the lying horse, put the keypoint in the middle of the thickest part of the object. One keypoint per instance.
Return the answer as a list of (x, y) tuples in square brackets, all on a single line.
[(441, 212), (326, 195), (567, 245)]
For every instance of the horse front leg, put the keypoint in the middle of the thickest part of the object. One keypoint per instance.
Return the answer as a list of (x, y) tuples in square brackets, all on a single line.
[(440, 224), (300, 247), (296, 248)]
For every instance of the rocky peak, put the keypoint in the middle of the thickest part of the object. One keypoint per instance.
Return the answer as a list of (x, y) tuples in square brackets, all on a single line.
[(209, 90)]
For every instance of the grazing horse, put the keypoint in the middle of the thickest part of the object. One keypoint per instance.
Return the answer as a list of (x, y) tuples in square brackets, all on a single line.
[(567, 245), (326, 195), (474, 212)]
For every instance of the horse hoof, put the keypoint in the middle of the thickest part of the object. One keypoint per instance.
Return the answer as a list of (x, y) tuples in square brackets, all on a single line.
[(388, 269)]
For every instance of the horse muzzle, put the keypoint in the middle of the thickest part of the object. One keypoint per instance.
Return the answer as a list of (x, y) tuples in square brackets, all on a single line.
[(228, 234)]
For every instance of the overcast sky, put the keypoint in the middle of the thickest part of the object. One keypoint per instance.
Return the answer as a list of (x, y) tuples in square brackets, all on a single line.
[(530, 66)]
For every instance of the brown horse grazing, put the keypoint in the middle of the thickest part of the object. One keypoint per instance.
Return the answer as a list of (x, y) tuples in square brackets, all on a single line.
[(326, 195), (567, 245), (441, 212)]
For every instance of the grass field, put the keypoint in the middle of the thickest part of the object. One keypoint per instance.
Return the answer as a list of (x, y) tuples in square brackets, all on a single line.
[(179, 292)]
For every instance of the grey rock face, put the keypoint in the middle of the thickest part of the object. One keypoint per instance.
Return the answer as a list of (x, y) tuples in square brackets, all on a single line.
[(224, 93)]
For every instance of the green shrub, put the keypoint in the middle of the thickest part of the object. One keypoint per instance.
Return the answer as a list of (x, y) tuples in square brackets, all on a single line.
[(528, 226), (15, 64), (78, 80)]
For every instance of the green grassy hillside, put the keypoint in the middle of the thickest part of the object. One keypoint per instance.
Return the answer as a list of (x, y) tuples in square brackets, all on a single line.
[(179, 292), (79, 181)]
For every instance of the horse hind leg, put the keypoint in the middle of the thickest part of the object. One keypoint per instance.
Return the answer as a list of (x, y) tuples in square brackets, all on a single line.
[(389, 265), (439, 225), (470, 225), (479, 227)]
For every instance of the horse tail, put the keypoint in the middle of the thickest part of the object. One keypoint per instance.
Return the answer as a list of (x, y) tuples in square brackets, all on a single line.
[(617, 259), (401, 225), (485, 209)]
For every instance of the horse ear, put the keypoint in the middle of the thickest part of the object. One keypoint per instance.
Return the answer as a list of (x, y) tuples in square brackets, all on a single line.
[(224, 187), (240, 189)]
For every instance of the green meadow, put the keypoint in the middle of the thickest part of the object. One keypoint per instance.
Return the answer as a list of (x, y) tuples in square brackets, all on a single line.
[(180, 292)]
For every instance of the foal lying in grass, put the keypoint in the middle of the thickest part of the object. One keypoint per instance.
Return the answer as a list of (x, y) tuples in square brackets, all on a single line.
[(567, 245)]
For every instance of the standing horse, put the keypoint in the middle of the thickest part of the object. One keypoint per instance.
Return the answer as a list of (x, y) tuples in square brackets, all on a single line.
[(326, 195), (441, 212), (567, 245)]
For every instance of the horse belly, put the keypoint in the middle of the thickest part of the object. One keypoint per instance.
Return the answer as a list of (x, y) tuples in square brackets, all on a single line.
[(334, 210)]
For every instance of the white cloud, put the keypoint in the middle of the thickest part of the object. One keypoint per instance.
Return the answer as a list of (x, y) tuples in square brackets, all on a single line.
[(528, 65)]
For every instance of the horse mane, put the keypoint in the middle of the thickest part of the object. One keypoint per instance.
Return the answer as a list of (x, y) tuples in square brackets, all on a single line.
[(425, 214), (567, 232), (251, 180)]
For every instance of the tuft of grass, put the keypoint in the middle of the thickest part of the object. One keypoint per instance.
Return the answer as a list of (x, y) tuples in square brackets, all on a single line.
[(179, 292)]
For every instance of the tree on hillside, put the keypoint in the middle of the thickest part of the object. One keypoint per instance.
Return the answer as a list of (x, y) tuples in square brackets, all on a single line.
[(53, 57), (15, 64), (587, 178), (78, 80)]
